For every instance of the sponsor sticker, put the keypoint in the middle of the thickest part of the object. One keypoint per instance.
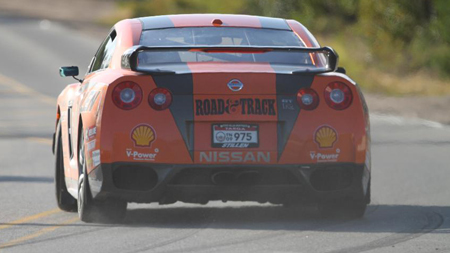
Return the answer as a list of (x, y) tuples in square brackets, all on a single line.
[(89, 162), (91, 132), (90, 145), (141, 156), (96, 158), (227, 156), (325, 136), (143, 135), (287, 104), (325, 157), (243, 106)]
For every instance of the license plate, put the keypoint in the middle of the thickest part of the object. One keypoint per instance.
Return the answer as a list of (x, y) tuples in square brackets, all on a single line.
[(235, 136)]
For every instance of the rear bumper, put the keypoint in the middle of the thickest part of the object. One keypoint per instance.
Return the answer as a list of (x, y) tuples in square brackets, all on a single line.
[(165, 183)]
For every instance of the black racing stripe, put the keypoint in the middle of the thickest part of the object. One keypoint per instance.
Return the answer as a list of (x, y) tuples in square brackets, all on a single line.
[(287, 86), (274, 23), (182, 108), (291, 83), (156, 22)]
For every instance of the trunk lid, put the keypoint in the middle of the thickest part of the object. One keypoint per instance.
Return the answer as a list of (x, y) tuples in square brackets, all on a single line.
[(234, 113)]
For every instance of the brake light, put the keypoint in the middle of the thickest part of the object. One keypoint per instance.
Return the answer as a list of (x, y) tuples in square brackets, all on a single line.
[(127, 95), (307, 99), (160, 99), (217, 22), (338, 96)]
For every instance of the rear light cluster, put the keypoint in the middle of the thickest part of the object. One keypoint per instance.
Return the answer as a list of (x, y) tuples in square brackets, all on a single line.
[(128, 95), (307, 99), (160, 99), (337, 96)]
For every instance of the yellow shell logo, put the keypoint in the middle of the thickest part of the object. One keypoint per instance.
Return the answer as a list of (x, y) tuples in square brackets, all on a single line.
[(325, 136), (143, 135)]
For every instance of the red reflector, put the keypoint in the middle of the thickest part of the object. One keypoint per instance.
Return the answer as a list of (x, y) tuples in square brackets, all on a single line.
[(338, 96), (217, 22), (160, 99), (127, 95), (307, 99)]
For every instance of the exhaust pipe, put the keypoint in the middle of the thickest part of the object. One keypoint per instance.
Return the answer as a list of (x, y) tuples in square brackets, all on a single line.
[(223, 178)]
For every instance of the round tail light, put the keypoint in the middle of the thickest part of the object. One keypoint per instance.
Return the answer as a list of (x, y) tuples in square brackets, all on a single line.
[(160, 99), (127, 95), (307, 99), (338, 96)]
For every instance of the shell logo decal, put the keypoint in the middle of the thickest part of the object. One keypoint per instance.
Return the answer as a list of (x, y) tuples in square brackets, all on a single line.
[(143, 135), (325, 136)]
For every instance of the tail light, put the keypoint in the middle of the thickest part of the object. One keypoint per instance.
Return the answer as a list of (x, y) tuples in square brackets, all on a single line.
[(307, 99), (338, 96), (127, 95), (160, 99)]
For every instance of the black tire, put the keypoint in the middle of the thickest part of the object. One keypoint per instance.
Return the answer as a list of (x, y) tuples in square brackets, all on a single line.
[(86, 211), (90, 210), (64, 200), (352, 209)]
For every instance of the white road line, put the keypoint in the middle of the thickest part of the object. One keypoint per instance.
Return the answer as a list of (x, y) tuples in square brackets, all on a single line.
[(23, 89), (376, 118)]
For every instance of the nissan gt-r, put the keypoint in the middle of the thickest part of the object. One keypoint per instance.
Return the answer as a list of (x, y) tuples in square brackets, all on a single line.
[(204, 107)]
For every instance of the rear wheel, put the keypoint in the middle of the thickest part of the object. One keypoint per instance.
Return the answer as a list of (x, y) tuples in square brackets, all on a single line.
[(90, 210), (64, 200), (345, 208)]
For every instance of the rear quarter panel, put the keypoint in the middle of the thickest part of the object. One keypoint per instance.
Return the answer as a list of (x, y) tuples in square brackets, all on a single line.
[(350, 126)]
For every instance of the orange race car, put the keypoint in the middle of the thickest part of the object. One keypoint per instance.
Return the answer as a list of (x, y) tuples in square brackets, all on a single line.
[(206, 107)]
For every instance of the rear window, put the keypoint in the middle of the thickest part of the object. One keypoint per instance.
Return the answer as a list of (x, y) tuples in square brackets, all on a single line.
[(219, 36)]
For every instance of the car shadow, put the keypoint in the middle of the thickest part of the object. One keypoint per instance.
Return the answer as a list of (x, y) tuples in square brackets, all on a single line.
[(408, 219), (401, 222), (378, 218)]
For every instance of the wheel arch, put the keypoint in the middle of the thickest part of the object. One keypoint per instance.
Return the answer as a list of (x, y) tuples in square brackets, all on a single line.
[(58, 117), (80, 131), (85, 121)]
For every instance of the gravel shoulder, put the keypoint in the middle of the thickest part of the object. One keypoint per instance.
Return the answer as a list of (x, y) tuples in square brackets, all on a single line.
[(429, 108), (83, 11), (83, 15)]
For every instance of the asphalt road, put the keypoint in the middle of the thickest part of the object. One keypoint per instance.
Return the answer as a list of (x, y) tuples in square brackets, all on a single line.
[(410, 211)]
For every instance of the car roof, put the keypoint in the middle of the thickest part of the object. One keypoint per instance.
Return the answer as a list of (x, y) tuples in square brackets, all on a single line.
[(205, 20)]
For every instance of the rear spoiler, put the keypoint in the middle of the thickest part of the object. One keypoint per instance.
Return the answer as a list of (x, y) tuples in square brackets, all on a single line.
[(130, 56)]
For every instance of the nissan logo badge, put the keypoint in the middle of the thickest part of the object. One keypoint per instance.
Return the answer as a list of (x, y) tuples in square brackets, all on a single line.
[(235, 85)]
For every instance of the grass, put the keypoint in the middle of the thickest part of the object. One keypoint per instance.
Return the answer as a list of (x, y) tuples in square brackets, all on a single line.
[(355, 57)]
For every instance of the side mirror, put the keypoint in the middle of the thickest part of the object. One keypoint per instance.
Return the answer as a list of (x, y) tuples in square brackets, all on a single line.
[(68, 71), (341, 70)]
